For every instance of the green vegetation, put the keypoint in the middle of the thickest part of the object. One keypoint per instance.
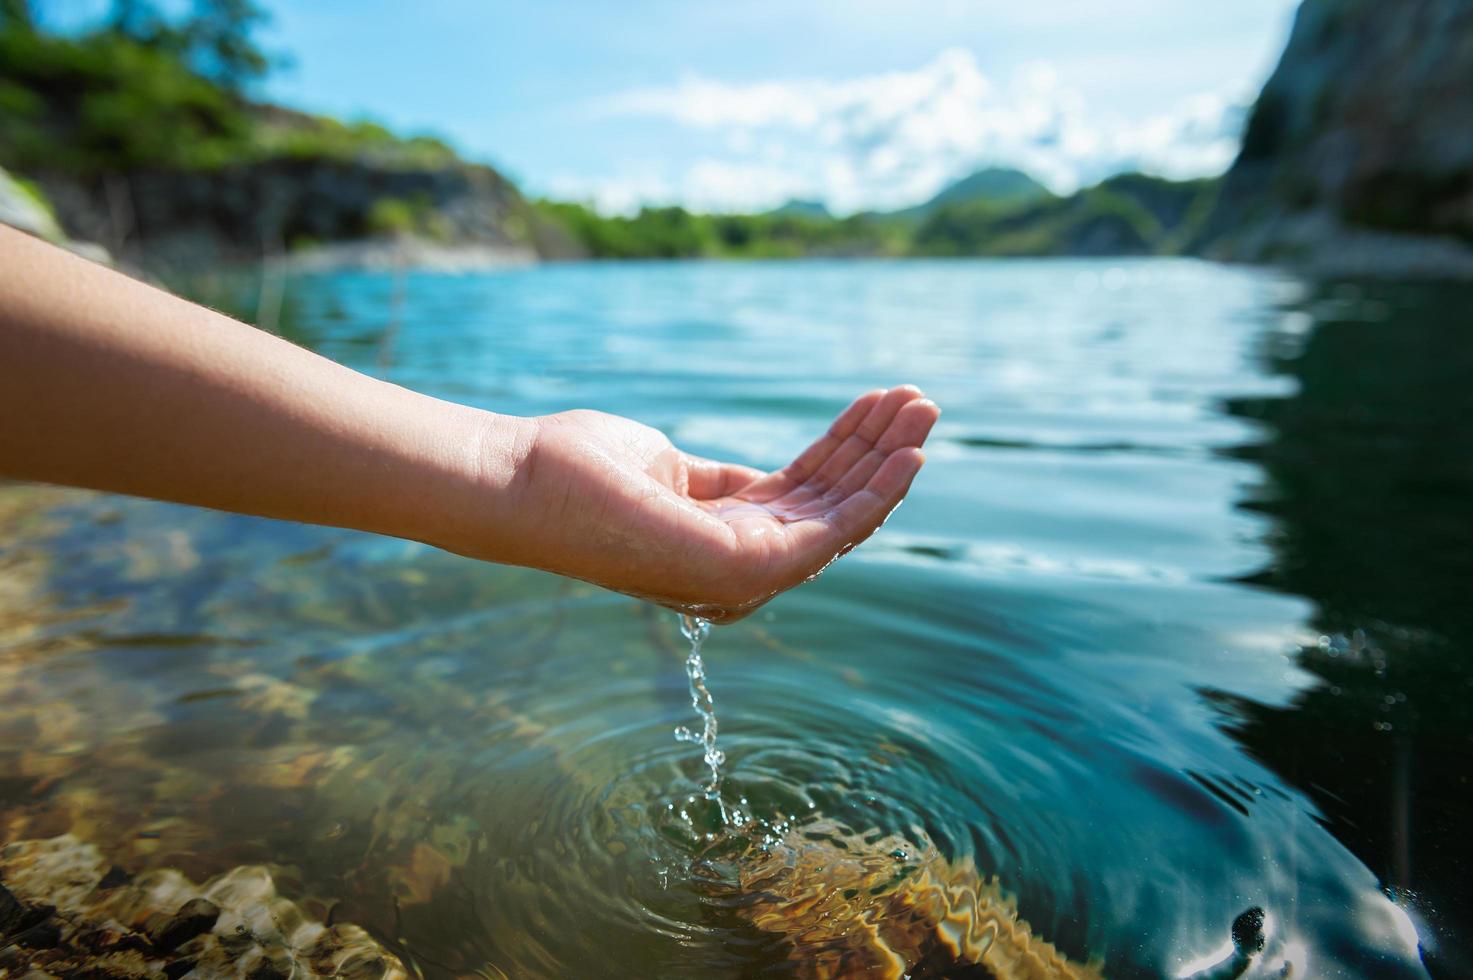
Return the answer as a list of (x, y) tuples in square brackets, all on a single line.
[(396, 216), (1131, 214), (25, 206), (34, 194), (281, 133), (1094, 220), (1126, 215), (674, 232), (104, 102), (144, 92)]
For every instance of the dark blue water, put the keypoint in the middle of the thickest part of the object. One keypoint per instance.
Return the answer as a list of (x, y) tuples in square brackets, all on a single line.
[(1175, 623)]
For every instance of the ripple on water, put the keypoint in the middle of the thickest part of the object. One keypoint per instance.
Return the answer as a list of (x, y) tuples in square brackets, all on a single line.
[(568, 834), (628, 851)]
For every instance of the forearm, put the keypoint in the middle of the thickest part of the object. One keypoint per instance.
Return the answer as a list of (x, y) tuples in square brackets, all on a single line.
[(110, 384)]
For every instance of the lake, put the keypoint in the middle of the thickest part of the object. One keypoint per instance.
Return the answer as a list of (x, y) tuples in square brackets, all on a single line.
[(1175, 623)]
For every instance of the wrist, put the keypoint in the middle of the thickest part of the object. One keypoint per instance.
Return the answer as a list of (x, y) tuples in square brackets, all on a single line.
[(480, 511)]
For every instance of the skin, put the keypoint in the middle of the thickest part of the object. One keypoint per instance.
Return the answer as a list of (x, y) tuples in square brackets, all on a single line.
[(108, 383)]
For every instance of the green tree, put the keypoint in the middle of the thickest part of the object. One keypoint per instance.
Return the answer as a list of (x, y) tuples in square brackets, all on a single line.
[(220, 41), (16, 14), (137, 19)]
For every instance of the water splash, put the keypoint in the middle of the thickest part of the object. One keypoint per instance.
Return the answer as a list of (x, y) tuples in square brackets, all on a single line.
[(695, 629)]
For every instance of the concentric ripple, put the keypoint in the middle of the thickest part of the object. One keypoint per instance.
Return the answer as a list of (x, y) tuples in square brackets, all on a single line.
[(628, 851)]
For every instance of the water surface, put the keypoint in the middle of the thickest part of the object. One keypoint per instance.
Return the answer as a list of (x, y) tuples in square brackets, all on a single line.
[(1175, 623)]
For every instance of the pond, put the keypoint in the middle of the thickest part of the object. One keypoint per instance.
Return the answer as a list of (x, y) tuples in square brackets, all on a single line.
[(1176, 623)]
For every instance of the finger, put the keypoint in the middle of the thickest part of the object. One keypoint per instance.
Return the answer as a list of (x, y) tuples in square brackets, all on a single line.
[(822, 539), (818, 453), (707, 479), (909, 429), (864, 438), (911, 426)]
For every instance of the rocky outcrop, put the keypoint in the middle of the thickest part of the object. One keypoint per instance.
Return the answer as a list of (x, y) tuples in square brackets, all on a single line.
[(23, 207), (1359, 152), (242, 212)]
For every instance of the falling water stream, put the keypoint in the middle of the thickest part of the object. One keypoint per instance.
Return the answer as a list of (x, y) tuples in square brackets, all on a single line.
[(696, 630)]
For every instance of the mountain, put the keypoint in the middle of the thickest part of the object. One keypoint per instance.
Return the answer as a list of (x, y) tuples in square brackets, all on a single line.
[(1128, 214), (796, 208), (1358, 154), (990, 183), (995, 185)]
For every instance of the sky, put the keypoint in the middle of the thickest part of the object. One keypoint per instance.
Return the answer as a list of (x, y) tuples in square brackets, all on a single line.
[(744, 104)]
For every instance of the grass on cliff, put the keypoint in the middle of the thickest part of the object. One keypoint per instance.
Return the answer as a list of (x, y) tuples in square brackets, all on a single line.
[(106, 102)]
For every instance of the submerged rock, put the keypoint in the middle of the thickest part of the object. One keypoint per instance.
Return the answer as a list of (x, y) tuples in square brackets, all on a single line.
[(158, 925), (195, 917), (11, 912), (1248, 931), (873, 906)]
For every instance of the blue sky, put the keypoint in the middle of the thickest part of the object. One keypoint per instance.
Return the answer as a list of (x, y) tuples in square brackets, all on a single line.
[(740, 105)]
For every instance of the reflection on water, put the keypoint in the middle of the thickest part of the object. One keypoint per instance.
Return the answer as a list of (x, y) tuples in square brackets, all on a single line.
[(1078, 681), (1369, 475)]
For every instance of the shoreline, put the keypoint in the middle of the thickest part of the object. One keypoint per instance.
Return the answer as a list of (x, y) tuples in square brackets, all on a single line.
[(412, 253)]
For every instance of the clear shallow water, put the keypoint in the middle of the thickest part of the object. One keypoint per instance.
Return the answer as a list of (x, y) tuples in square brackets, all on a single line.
[(1174, 623)]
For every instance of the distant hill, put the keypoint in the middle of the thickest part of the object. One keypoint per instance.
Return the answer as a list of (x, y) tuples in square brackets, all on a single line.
[(1128, 214), (993, 185), (796, 208)]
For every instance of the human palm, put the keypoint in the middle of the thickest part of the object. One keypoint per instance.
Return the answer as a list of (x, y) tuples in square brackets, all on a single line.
[(616, 504)]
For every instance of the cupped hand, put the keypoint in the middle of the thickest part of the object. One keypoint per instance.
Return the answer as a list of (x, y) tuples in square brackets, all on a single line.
[(612, 502)]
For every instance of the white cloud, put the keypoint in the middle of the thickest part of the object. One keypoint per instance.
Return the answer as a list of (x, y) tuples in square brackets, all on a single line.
[(892, 139)]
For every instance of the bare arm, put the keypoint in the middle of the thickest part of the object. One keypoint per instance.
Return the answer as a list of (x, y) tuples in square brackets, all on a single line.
[(111, 384)]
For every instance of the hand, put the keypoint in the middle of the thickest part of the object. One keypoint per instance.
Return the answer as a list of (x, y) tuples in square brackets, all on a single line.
[(611, 501), (127, 389)]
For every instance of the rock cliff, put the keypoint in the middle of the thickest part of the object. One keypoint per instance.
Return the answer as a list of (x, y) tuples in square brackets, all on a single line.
[(23, 207), (154, 218), (1358, 154)]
